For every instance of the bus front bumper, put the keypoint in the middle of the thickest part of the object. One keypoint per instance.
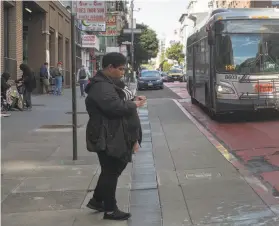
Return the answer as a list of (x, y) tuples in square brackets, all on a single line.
[(227, 105)]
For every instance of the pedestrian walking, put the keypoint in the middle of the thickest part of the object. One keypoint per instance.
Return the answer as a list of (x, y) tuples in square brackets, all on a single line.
[(82, 78), (113, 131), (45, 76), (29, 84), (58, 74)]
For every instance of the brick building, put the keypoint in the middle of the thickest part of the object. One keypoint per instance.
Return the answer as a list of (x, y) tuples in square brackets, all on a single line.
[(243, 3), (35, 32)]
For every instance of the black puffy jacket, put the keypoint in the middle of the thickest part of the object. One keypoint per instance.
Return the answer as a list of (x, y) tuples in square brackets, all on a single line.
[(110, 119)]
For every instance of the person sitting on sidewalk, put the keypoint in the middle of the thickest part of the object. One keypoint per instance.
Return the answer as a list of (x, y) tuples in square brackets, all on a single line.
[(82, 78), (4, 87), (109, 133), (4, 84)]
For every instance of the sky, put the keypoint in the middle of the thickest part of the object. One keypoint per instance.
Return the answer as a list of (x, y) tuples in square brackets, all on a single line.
[(161, 15)]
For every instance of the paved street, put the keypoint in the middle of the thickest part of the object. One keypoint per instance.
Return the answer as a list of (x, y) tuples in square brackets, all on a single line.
[(181, 176)]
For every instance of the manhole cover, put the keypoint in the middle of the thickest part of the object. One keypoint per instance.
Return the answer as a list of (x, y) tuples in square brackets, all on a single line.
[(58, 126), (39, 105), (79, 112)]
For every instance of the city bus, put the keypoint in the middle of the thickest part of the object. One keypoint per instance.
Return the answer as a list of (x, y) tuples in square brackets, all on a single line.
[(233, 61)]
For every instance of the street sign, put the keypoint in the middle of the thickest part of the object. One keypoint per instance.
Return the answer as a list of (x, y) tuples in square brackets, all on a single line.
[(126, 43), (128, 31)]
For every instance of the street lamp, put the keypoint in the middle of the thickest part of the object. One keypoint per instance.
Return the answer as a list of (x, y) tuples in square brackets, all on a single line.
[(73, 62)]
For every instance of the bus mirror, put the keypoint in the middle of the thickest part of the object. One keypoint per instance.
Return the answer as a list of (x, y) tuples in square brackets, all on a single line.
[(211, 37)]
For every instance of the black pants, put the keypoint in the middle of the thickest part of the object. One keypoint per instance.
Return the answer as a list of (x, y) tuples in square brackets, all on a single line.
[(111, 169), (27, 98)]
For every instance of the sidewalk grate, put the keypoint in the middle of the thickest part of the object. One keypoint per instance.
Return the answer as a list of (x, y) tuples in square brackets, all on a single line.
[(79, 112), (58, 126)]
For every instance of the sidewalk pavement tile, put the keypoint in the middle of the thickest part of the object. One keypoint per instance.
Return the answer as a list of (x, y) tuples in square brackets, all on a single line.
[(139, 172), (47, 184), (42, 218), (145, 198), (27, 154), (68, 160), (227, 209), (199, 160), (175, 214), (167, 178), (8, 185), (65, 170), (171, 194), (202, 189), (265, 221), (41, 201), (145, 216), (163, 161)]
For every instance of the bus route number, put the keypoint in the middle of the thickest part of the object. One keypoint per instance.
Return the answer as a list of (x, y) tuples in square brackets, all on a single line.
[(231, 77)]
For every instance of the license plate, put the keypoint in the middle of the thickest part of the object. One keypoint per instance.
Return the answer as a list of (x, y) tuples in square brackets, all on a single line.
[(150, 84), (264, 88)]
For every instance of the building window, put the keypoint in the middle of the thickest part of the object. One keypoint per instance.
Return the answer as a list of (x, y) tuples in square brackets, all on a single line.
[(6, 32)]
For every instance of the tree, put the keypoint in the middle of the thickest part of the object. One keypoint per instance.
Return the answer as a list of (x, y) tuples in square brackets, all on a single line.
[(162, 57), (174, 52), (166, 66), (146, 44)]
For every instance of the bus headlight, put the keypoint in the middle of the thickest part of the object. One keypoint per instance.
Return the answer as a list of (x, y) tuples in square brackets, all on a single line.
[(224, 89)]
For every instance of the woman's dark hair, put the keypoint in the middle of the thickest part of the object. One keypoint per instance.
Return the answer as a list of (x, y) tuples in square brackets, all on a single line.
[(115, 59), (25, 68)]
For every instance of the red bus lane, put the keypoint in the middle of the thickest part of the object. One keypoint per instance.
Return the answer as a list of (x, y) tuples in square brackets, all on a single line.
[(254, 143)]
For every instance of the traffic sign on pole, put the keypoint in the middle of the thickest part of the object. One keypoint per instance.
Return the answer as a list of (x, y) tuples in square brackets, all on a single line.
[(128, 31), (126, 43)]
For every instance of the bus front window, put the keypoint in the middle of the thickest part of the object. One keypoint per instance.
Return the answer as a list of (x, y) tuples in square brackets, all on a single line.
[(247, 53)]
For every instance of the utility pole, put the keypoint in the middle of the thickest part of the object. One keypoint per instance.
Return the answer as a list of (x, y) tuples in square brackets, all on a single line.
[(132, 37), (74, 94)]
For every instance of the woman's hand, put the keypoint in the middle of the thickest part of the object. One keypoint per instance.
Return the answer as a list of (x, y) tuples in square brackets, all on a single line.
[(136, 147), (139, 103), (139, 98)]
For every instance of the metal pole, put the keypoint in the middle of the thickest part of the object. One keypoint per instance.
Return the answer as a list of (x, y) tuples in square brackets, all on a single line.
[(74, 95), (132, 37)]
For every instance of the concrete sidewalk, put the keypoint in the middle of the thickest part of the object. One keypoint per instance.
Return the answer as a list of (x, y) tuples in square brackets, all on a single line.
[(178, 178)]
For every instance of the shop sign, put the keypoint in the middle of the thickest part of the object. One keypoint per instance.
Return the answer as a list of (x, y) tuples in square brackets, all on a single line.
[(90, 41), (93, 26), (94, 11), (111, 26)]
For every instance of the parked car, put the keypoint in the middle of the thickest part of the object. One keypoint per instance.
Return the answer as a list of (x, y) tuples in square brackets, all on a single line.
[(150, 79), (175, 75), (164, 76)]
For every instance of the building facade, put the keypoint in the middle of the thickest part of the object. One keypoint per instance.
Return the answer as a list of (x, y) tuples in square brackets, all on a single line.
[(35, 32)]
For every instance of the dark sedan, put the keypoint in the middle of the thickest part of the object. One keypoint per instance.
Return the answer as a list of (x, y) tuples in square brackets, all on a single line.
[(164, 76), (150, 80)]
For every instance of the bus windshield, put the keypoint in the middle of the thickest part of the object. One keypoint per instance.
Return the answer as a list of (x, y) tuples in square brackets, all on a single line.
[(247, 53)]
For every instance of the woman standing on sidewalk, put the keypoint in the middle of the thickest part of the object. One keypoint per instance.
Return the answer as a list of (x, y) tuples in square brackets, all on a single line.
[(113, 131)]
